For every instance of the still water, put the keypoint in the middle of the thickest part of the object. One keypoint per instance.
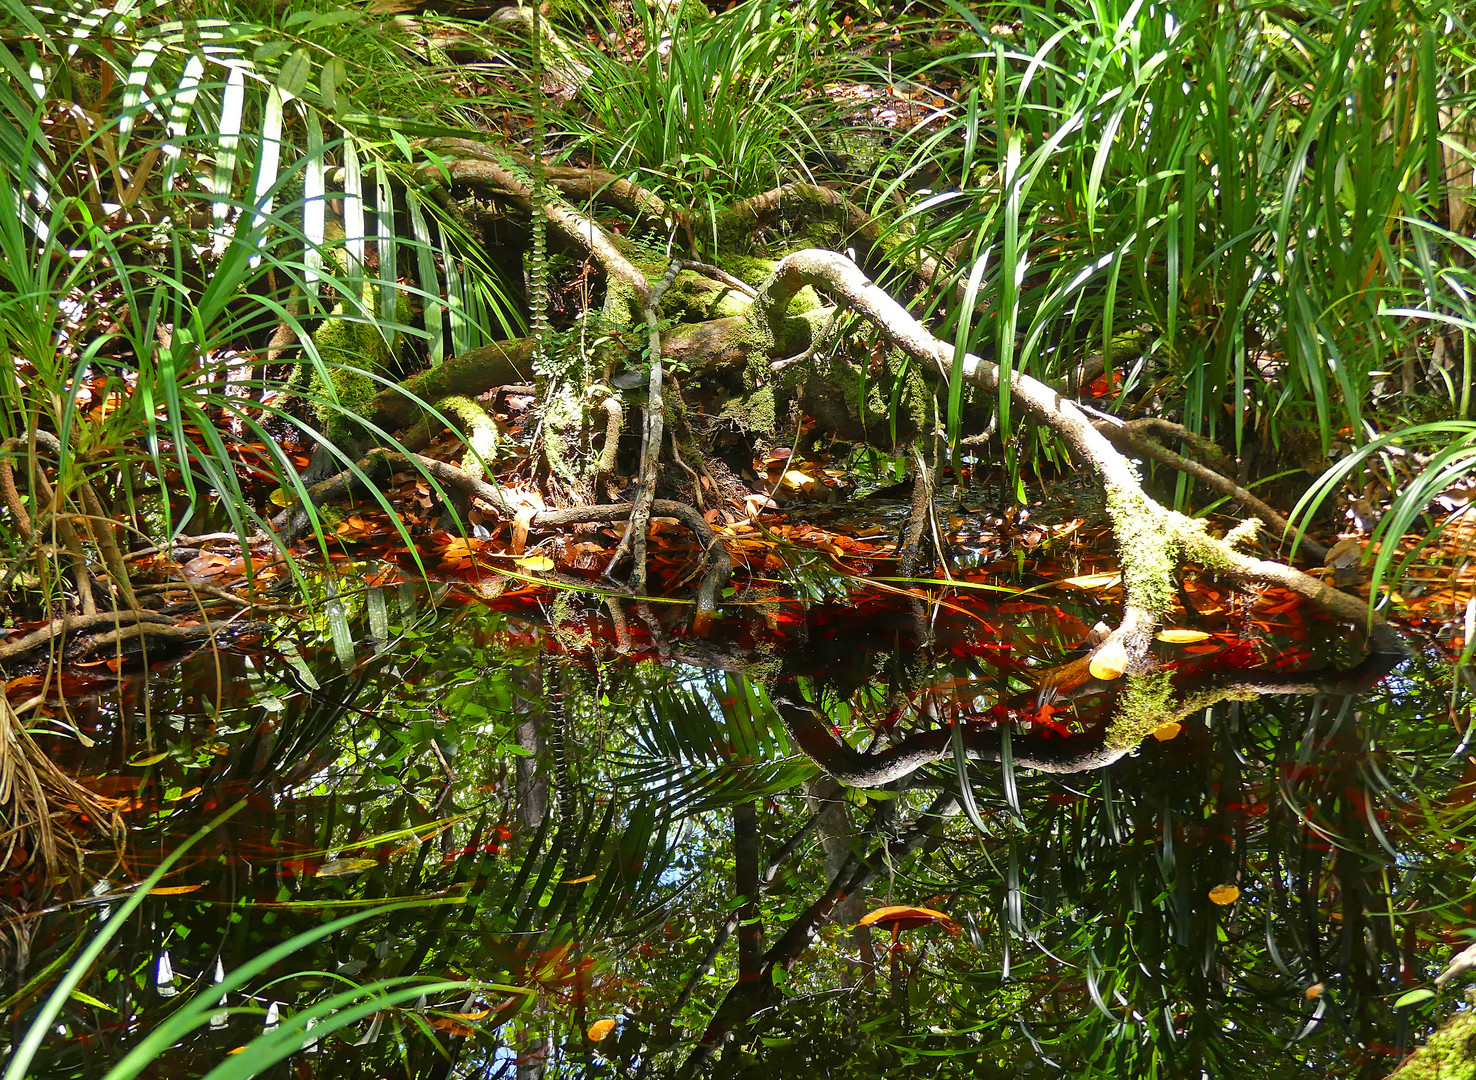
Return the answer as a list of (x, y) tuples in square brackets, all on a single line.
[(537, 833)]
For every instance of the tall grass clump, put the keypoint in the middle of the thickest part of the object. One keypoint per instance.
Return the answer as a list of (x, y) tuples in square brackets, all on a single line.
[(708, 109), (165, 192), (1256, 192)]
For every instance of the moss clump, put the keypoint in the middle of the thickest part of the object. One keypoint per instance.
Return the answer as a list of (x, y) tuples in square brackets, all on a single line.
[(562, 415), (698, 299), (1148, 546), (1147, 701), (353, 351), (1446, 1055)]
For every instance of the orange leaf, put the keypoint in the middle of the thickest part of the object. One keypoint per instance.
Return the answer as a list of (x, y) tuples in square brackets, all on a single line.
[(906, 917), (175, 890), (1165, 732), (600, 1028), (1223, 895)]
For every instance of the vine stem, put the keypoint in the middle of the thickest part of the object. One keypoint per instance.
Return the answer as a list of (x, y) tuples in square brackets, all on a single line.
[(538, 264)]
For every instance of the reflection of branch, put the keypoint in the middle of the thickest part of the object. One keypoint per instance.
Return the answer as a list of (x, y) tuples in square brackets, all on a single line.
[(724, 931), (1042, 752), (1052, 753), (747, 997)]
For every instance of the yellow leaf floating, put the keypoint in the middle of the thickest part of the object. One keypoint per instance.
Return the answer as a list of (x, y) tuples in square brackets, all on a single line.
[(580, 880), (1091, 581), (536, 563), (1109, 662), (1178, 636), (1165, 732), (1223, 895), (600, 1028)]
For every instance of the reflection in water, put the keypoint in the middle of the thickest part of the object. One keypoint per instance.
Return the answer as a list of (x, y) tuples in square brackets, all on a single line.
[(638, 855)]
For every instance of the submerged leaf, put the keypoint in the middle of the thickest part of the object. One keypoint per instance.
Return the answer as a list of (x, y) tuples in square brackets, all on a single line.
[(1223, 895)]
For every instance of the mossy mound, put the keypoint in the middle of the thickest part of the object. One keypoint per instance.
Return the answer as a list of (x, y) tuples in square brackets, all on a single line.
[(353, 351)]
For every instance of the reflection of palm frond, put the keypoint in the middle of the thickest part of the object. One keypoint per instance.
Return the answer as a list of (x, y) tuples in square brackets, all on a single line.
[(592, 875), (710, 744)]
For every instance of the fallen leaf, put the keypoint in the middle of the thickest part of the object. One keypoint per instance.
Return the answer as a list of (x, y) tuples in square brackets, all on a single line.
[(151, 759), (1165, 732), (580, 880), (175, 890), (1109, 662), (600, 1028), (1179, 636), (536, 563), (1223, 895)]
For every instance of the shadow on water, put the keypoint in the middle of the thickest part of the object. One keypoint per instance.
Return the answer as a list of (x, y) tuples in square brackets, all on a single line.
[(642, 855)]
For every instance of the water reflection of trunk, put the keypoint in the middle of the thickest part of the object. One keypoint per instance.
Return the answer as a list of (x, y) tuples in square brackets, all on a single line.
[(533, 684), (745, 998), (532, 776), (838, 841), (746, 862)]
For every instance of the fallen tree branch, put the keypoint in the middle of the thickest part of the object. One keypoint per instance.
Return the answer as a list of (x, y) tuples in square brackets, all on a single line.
[(77, 624), (1150, 538), (1129, 438), (294, 521), (580, 231)]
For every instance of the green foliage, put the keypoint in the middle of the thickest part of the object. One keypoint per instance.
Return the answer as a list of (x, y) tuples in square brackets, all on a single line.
[(165, 193), (1256, 184), (710, 109)]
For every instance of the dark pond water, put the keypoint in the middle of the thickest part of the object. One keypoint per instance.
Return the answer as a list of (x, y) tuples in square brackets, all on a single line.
[(611, 849)]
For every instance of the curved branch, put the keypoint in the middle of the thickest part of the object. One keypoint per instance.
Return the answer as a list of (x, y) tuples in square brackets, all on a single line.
[(1147, 534), (578, 230), (1045, 751), (642, 206)]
